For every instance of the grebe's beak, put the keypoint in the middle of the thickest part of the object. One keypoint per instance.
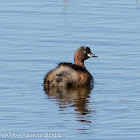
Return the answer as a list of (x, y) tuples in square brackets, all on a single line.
[(91, 55)]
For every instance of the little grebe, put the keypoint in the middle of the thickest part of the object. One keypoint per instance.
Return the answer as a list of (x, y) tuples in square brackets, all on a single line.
[(71, 75)]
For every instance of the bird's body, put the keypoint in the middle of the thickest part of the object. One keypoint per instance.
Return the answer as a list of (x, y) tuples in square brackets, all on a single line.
[(68, 75), (71, 75)]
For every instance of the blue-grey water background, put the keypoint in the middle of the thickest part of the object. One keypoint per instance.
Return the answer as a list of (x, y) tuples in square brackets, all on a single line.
[(35, 35)]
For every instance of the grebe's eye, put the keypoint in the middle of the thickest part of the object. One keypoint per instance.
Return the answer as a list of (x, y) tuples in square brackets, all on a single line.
[(85, 52)]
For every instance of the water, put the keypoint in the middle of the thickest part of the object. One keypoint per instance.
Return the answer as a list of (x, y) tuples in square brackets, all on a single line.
[(36, 35)]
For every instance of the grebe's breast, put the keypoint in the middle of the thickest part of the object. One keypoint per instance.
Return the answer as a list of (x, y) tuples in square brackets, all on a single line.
[(68, 75)]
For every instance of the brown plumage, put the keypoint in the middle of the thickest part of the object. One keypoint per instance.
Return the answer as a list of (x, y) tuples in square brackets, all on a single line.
[(71, 75)]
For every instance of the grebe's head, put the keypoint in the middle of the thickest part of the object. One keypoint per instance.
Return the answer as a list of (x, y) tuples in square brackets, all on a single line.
[(83, 53)]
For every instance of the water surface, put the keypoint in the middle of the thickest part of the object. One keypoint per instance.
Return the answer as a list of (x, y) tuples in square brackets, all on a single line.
[(36, 35)]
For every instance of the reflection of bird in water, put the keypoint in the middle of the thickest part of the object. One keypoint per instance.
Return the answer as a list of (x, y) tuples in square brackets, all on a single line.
[(78, 97)]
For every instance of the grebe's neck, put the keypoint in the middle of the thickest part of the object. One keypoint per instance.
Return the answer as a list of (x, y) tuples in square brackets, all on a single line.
[(79, 58), (79, 62)]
